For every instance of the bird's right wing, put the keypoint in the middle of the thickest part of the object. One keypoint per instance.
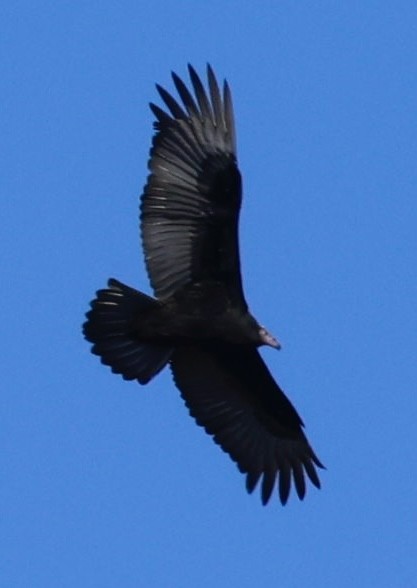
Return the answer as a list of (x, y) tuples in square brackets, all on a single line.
[(191, 202), (231, 393)]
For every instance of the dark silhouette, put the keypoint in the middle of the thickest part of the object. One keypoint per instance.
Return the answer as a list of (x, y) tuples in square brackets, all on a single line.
[(199, 322)]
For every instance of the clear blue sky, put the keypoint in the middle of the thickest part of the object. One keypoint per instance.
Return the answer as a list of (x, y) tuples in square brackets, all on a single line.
[(105, 483)]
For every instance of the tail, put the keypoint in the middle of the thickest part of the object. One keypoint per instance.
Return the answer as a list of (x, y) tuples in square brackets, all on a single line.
[(108, 327)]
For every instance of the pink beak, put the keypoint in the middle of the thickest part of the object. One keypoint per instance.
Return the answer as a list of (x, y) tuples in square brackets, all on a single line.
[(268, 339)]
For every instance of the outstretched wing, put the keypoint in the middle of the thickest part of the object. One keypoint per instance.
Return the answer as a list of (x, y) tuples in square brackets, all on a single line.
[(231, 393), (190, 205)]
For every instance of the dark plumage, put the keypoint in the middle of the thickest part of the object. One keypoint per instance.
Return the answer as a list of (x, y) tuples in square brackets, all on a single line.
[(199, 321)]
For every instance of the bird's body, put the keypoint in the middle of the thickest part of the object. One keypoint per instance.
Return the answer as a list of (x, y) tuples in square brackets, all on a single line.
[(198, 313), (199, 321)]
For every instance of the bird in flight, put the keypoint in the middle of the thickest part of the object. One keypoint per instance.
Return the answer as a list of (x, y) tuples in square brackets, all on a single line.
[(199, 321)]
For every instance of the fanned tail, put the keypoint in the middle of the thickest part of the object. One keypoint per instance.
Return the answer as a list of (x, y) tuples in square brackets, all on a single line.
[(109, 328)]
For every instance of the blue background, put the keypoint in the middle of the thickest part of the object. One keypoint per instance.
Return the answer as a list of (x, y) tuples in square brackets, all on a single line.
[(105, 483)]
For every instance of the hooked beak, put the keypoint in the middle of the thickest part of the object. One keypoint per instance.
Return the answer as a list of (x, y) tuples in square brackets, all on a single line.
[(268, 339)]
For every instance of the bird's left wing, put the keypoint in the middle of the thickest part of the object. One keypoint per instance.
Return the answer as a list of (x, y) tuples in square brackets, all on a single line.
[(191, 202), (231, 393)]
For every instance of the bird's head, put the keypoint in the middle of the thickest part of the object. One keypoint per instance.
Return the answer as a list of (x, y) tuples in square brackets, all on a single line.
[(267, 339)]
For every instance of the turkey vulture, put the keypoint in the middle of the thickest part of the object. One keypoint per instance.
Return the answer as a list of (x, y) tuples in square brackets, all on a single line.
[(199, 321)]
